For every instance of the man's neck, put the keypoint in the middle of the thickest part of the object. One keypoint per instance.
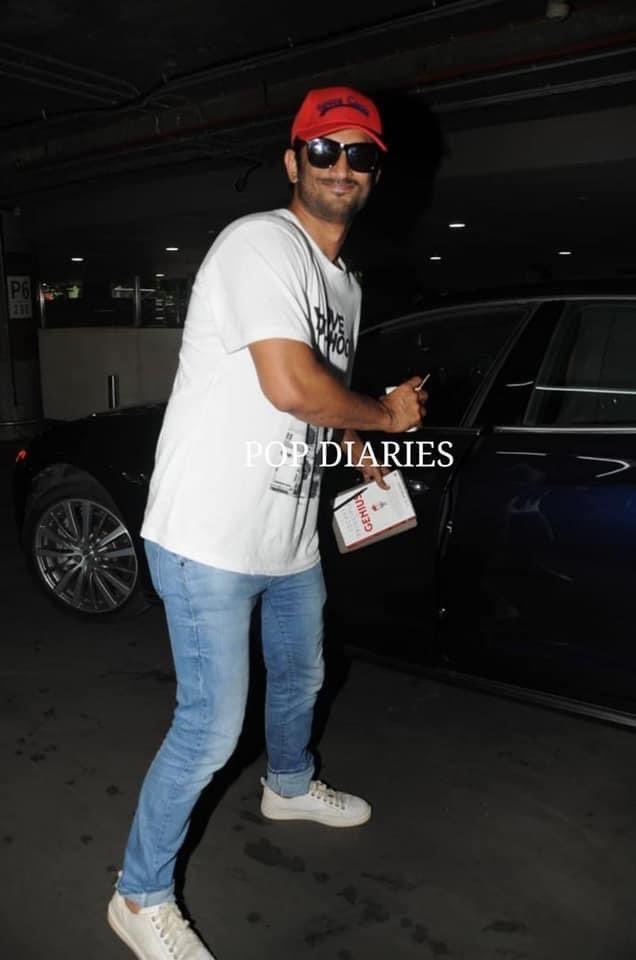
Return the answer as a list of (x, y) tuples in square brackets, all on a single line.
[(329, 236)]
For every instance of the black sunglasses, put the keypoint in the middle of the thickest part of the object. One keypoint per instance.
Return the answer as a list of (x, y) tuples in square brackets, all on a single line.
[(322, 152)]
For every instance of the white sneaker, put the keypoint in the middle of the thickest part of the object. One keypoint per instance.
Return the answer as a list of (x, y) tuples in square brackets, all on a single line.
[(156, 933), (321, 804)]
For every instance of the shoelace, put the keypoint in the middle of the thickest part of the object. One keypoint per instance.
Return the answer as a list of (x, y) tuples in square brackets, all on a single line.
[(181, 942), (321, 791)]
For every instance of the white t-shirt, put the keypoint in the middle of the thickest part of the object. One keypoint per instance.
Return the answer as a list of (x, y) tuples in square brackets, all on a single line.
[(263, 277)]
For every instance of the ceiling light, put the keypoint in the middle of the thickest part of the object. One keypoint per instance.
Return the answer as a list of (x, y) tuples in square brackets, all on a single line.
[(565, 253), (435, 257), (159, 274), (557, 10), (77, 259), (172, 249), (457, 226)]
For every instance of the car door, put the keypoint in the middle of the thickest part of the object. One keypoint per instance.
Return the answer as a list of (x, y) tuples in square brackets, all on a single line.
[(538, 575), (383, 597)]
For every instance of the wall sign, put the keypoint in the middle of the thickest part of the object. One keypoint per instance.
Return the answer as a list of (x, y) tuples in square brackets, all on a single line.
[(19, 294)]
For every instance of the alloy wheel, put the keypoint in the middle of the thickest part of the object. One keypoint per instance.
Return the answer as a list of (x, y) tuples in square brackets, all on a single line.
[(85, 556)]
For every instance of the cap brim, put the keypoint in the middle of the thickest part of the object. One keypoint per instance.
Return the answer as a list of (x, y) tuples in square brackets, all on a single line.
[(323, 129)]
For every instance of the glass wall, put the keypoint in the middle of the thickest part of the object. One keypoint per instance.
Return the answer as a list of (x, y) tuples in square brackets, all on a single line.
[(122, 302)]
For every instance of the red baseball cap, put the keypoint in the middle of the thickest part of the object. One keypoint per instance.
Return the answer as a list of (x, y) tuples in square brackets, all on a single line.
[(329, 109)]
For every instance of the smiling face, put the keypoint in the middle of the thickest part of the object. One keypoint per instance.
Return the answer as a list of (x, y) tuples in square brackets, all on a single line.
[(334, 194)]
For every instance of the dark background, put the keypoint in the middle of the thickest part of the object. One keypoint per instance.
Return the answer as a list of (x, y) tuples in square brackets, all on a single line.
[(125, 128)]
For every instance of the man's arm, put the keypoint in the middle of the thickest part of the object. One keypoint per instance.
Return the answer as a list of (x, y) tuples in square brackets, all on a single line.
[(293, 379)]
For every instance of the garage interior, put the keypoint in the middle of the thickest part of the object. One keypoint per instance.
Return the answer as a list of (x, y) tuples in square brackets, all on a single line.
[(126, 131), (501, 831)]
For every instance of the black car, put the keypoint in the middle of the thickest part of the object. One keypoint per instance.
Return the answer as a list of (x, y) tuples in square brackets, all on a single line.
[(521, 568)]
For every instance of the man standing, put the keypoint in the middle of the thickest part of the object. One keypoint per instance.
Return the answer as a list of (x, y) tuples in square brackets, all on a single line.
[(267, 352)]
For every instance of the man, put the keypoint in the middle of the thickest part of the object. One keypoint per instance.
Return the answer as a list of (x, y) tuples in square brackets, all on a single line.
[(266, 358)]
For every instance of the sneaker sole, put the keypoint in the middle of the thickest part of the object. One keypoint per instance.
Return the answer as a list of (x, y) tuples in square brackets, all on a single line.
[(121, 933), (324, 819)]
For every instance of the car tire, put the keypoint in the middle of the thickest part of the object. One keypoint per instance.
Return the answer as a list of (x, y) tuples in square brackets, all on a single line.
[(80, 550)]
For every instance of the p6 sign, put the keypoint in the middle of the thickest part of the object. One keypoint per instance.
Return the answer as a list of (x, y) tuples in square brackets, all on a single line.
[(19, 296)]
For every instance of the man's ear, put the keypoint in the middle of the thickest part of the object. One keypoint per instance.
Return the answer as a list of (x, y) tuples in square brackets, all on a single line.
[(378, 174), (291, 165)]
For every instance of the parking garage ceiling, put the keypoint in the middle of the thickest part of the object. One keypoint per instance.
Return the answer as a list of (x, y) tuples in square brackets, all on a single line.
[(130, 99)]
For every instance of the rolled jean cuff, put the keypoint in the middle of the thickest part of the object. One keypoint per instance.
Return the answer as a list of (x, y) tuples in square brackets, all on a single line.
[(290, 784), (152, 899)]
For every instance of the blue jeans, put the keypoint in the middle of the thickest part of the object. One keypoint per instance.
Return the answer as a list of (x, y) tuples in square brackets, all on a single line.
[(208, 612)]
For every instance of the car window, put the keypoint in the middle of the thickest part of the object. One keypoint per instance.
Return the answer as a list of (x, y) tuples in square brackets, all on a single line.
[(506, 402), (588, 377), (457, 348)]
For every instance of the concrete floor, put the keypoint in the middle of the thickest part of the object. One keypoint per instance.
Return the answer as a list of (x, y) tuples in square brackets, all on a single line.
[(501, 831)]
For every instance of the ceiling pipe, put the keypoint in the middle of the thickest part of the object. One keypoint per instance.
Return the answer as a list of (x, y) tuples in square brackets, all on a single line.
[(436, 11), (52, 81), (528, 65), (537, 93), (70, 73)]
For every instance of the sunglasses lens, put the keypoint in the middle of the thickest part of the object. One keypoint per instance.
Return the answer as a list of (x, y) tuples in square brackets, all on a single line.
[(363, 157), (323, 153)]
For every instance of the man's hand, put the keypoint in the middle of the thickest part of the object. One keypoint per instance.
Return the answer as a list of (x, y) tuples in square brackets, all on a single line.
[(369, 470), (406, 405)]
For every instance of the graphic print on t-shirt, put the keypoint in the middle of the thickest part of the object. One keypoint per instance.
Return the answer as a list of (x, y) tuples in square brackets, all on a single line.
[(331, 335), (298, 475)]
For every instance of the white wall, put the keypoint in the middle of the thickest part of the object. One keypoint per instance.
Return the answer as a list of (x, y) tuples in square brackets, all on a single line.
[(75, 365)]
